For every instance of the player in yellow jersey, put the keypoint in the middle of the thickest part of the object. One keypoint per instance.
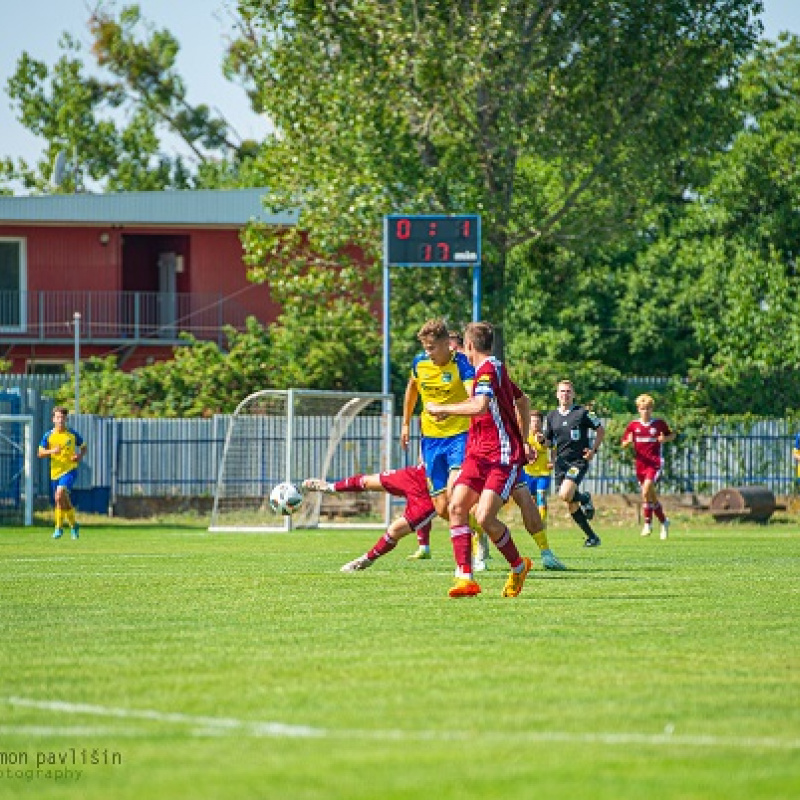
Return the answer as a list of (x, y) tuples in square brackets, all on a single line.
[(438, 375), (537, 472), (536, 476), (796, 457), (65, 448)]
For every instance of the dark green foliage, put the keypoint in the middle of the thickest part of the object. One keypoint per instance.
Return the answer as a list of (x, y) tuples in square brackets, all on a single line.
[(202, 380), (633, 163)]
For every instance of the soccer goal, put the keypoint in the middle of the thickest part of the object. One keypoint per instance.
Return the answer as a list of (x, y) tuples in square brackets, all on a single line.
[(16, 468), (289, 435)]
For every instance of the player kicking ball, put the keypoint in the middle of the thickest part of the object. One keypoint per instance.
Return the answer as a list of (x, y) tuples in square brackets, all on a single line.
[(410, 483), (494, 456)]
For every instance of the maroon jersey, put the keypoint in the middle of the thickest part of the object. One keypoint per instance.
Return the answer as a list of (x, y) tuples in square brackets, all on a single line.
[(646, 446), (495, 436)]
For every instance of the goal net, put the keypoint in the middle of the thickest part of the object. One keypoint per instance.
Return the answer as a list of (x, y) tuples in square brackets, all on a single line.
[(16, 469), (289, 435)]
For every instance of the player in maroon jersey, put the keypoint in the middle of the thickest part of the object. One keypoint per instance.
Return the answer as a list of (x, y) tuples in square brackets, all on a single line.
[(494, 457), (647, 434), (410, 483)]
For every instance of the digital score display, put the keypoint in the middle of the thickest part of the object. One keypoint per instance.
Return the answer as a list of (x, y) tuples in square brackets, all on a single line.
[(433, 240)]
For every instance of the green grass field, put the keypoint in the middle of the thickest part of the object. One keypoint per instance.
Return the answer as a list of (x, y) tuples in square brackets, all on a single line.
[(246, 666)]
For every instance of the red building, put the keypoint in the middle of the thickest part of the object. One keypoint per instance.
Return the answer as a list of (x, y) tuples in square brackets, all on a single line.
[(138, 267)]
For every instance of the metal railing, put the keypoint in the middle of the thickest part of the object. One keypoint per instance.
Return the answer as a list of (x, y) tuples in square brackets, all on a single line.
[(119, 317), (180, 457)]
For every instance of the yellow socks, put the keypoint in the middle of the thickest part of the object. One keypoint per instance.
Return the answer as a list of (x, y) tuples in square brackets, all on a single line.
[(541, 540)]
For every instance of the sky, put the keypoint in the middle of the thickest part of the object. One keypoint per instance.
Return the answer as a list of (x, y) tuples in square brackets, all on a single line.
[(201, 27)]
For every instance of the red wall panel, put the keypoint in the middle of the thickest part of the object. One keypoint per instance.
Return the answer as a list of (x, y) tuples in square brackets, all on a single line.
[(63, 259)]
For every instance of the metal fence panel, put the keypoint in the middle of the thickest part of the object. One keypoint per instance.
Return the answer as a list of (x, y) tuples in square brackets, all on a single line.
[(181, 457), (761, 455), (165, 457)]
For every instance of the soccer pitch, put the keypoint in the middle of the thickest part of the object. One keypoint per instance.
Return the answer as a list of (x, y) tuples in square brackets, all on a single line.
[(166, 662)]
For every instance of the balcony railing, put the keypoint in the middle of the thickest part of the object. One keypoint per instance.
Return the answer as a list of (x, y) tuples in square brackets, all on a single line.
[(115, 317)]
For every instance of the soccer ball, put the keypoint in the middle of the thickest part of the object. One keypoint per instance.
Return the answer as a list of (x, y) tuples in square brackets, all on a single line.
[(285, 498)]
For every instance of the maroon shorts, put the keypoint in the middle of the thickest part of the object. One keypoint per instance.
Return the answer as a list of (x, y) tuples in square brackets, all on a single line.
[(478, 475), (411, 484), (645, 472)]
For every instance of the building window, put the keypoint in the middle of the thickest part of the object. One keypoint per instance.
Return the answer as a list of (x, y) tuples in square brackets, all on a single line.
[(46, 367), (13, 279)]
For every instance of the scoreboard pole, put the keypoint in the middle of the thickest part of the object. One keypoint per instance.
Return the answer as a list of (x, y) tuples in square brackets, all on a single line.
[(392, 260)]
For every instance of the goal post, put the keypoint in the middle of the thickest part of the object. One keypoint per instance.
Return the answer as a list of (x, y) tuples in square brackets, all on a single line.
[(291, 434), (16, 468)]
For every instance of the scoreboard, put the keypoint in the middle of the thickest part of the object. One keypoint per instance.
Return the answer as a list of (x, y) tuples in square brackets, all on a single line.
[(432, 240)]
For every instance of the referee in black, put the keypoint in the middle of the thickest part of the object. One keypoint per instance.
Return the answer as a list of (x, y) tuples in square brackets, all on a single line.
[(568, 429)]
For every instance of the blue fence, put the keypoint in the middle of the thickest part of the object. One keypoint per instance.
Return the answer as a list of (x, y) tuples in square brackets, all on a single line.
[(181, 457), (11, 459), (170, 458), (762, 456)]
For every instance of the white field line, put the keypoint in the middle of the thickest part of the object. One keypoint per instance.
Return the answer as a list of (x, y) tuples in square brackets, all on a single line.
[(219, 726)]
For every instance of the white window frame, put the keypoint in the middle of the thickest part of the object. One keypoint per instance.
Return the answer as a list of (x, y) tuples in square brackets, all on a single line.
[(23, 285)]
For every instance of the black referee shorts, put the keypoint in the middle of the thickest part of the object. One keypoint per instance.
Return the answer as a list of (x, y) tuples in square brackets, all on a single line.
[(574, 470)]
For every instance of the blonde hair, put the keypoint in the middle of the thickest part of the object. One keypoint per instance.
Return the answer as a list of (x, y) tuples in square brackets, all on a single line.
[(645, 400)]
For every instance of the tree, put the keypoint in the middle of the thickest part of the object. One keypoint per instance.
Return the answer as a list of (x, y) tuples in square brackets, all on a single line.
[(112, 127), (552, 119), (726, 270), (201, 380)]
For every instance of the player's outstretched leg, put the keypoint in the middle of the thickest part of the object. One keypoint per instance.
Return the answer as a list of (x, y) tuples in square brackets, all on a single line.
[(317, 485), (357, 564)]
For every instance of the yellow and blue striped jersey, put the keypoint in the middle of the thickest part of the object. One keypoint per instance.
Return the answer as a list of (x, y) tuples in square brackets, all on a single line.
[(538, 468), (451, 383), (796, 453), (70, 442)]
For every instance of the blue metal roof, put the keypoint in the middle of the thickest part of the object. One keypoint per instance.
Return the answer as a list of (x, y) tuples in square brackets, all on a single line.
[(234, 207)]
